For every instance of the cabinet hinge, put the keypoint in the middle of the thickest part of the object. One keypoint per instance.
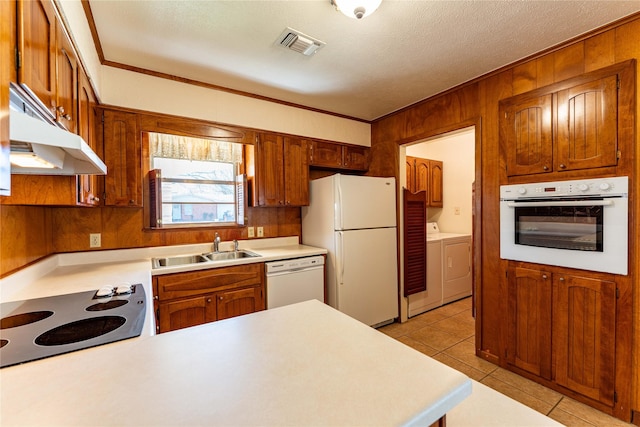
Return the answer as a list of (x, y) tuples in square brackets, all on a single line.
[(619, 154), (617, 293), (618, 84), (103, 117), (615, 397), (18, 59)]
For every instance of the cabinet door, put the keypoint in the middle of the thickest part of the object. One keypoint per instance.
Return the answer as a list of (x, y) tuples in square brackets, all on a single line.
[(238, 302), (526, 134), (325, 154), (587, 125), (435, 184), (296, 172), (422, 176), (87, 184), (584, 312), (356, 158), (270, 171), (37, 72), (67, 82), (411, 173), (186, 313), (529, 321), (123, 157)]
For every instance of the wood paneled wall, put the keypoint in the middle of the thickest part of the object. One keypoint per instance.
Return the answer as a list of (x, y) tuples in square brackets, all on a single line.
[(477, 103), (25, 236)]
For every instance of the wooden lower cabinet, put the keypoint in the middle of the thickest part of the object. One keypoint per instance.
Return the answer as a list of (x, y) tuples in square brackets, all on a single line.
[(562, 328), (194, 298)]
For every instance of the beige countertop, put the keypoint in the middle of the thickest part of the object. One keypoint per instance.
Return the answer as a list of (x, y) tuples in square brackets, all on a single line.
[(302, 364)]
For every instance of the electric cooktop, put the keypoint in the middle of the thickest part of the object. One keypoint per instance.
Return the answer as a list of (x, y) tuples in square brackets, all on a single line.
[(43, 327)]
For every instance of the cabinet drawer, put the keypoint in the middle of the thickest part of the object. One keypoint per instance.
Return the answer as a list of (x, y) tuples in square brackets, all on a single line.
[(205, 281)]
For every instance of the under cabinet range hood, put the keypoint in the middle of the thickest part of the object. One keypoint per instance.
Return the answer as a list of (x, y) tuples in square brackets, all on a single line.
[(41, 148)]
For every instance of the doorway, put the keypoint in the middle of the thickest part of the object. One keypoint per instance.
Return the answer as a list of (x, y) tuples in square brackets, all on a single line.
[(456, 150)]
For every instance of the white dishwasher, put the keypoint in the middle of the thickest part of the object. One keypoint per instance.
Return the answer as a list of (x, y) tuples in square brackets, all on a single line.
[(294, 280)]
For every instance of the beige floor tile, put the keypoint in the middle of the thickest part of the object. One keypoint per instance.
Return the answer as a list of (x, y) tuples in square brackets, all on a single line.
[(454, 308), (589, 414), (435, 338), (530, 387), (568, 419), (421, 347), (430, 317), (458, 365), (396, 330), (461, 325), (517, 394), (465, 352)]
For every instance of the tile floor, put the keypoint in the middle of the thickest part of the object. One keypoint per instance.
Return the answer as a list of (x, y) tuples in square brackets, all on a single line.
[(447, 334)]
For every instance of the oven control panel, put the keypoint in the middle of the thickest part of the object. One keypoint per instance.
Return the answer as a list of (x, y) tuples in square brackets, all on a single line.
[(606, 187)]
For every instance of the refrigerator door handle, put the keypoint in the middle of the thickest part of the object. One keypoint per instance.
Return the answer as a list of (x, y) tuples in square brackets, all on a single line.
[(341, 257), (339, 211)]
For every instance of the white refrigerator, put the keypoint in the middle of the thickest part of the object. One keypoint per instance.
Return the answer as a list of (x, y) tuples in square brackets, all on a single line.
[(354, 218)]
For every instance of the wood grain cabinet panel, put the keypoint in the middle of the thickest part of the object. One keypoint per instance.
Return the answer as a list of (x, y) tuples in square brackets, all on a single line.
[(584, 336), (526, 129), (88, 191), (329, 155), (66, 81), (37, 44), (282, 171), (587, 125), (123, 157), (193, 298), (568, 126), (426, 175), (529, 320)]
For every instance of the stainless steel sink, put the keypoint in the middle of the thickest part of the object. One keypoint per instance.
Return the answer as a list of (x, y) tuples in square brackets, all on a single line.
[(178, 260), (200, 258), (220, 256)]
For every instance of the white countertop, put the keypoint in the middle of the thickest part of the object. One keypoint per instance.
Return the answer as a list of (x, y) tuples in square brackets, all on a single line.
[(302, 364)]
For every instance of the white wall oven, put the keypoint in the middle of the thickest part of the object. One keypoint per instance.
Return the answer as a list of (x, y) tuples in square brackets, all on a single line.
[(578, 224)]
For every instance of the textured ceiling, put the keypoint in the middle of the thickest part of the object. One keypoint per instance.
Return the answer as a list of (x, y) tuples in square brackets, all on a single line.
[(405, 52)]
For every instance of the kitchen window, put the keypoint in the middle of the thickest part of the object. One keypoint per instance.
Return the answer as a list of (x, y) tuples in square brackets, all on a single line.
[(195, 182)]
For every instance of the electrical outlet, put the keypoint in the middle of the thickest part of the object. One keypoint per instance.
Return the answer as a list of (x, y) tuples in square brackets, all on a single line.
[(250, 232), (260, 232), (95, 240), (456, 210)]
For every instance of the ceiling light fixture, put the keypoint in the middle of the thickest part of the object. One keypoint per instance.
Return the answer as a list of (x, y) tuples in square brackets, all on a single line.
[(356, 9)]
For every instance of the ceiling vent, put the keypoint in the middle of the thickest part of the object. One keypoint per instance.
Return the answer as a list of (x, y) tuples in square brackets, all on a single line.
[(299, 42)]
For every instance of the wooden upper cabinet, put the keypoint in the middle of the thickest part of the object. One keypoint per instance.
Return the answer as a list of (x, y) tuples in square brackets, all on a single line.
[(568, 126), (48, 65), (527, 133), (426, 175), (584, 337), (37, 44), (282, 171), (587, 125), (529, 320), (88, 192), (123, 157), (296, 172), (67, 82), (329, 155)]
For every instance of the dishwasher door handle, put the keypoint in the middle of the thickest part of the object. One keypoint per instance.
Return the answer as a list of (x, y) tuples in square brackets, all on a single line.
[(294, 270)]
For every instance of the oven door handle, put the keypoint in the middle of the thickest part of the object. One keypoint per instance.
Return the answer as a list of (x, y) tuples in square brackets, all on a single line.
[(561, 203)]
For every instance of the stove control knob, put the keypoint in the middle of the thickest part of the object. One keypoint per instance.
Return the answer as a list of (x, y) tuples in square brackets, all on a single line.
[(605, 186), (522, 190), (105, 291), (583, 187)]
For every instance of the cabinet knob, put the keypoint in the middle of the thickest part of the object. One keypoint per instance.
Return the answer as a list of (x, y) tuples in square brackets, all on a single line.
[(67, 117), (220, 298), (132, 202), (544, 276), (545, 167), (561, 279), (563, 166), (94, 199), (208, 299), (61, 109)]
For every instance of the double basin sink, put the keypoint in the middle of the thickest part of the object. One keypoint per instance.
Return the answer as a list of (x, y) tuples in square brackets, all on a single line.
[(200, 258)]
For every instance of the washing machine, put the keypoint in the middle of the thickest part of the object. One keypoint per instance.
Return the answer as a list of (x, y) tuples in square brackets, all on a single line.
[(456, 262)]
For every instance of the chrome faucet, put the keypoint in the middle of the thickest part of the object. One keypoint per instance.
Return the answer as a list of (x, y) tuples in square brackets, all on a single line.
[(235, 245), (216, 243)]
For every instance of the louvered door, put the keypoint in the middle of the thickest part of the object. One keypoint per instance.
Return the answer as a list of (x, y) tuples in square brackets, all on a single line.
[(415, 242)]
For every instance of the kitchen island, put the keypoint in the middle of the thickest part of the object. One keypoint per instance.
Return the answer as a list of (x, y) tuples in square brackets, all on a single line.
[(302, 364)]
